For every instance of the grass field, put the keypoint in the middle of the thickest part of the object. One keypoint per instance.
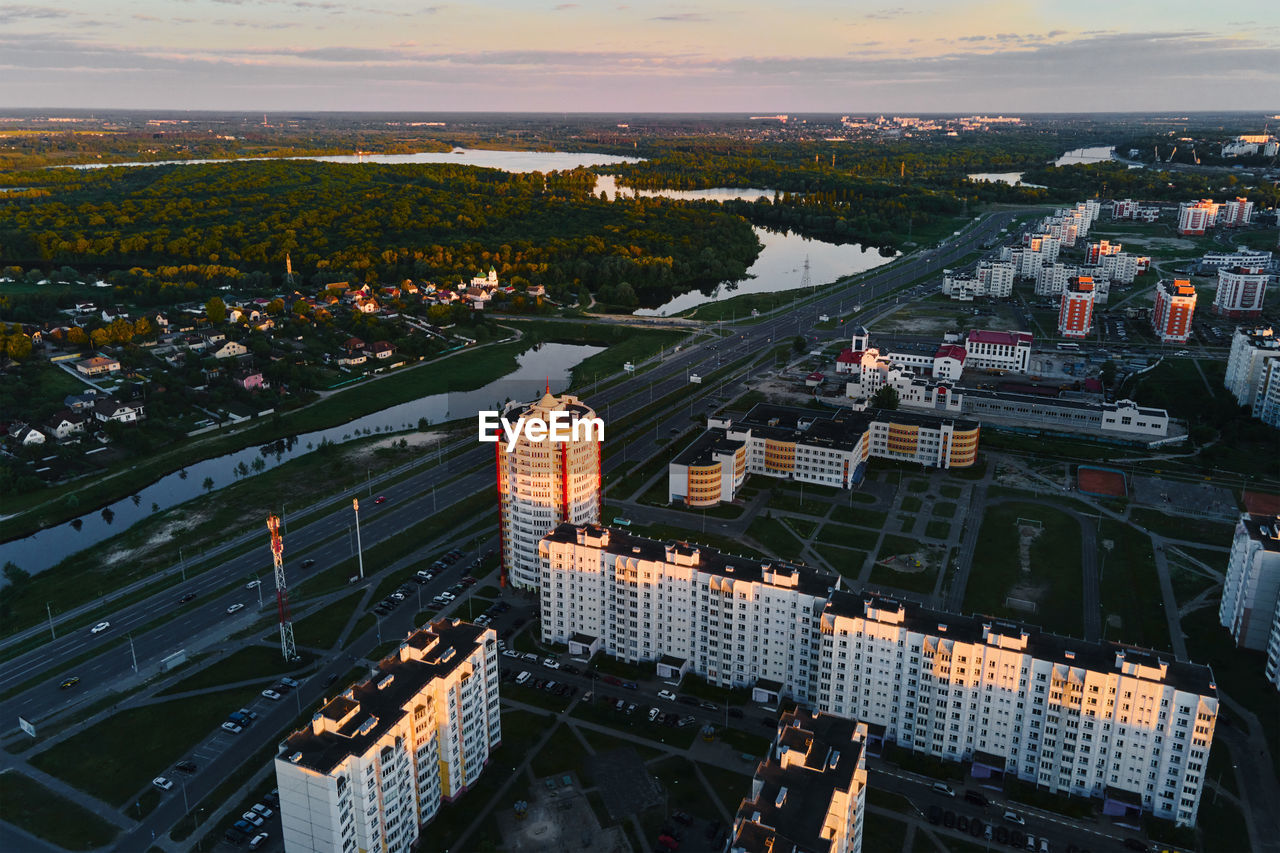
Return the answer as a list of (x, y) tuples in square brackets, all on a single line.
[(1181, 527), (872, 518), (321, 629), (112, 761), (775, 537), (1055, 581), (33, 807), (254, 662), (844, 560), (848, 537), (1131, 588)]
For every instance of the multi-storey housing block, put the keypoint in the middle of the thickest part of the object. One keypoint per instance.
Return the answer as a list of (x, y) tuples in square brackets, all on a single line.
[(1075, 312), (1253, 372), (1175, 305), (543, 483), (377, 760), (1251, 589), (809, 793), (1241, 291), (1074, 717)]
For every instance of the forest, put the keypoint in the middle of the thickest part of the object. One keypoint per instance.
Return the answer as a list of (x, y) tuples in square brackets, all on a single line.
[(367, 222)]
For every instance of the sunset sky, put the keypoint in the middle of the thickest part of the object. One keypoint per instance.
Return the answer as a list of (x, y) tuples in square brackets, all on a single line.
[(703, 55)]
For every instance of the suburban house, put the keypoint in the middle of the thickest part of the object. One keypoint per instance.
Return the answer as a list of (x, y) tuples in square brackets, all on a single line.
[(81, 402), (97, 365), (113, 410), (25, 435), (231, 349), (65, 424), (251, 380), (383, 349), (213, 337)]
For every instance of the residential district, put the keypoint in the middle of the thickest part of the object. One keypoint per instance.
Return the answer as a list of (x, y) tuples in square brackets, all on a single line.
[(996, 725)]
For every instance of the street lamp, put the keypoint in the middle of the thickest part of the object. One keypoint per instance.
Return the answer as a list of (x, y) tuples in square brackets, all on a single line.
[(355, 505)]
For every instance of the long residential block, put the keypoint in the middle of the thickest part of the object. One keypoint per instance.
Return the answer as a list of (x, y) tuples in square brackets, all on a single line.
[(1086, 718)]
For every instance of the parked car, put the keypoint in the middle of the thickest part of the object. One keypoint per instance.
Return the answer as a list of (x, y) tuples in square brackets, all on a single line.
[(262, 810), (551, 663), (258, 840), (232, 727), (1014, 817), (667, 694), (944, 789), (977, 798), (162, 783), (253, 818), (272, 695)]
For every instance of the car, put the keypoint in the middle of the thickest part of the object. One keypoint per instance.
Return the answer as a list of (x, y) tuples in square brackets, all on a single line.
[(68, 683), (258, 840), (186, 766), (773, 724), (610, 679), (550, 686), (332, 678), (687, 700), (736, 713), (962, 823), (977, 798), (457, 587), (380, 499), (667, 694), (709, 706), (681, 817), (935, 815), (631, 707), (1002, 835), (530, 656), (943, 788), (1135, 844), (273, 798), (468, 581), (510, 654), (1014, 817), (235, 608), (99, 628), (551, 663), (289, 682), (188, 597), (631, 685), (253, 584), (162, 783), (229, 726), (244, 828), (653, 714), (308, 563), (398, 596), (262, 810), (949, 819), (272, 695), (253, 818)]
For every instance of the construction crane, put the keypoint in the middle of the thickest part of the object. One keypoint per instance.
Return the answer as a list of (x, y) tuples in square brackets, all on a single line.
[(282, 590), (1157, 151), (1194, 155)]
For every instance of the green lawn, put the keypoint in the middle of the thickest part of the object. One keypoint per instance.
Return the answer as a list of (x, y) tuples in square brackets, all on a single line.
[(921, 582), (938, 529), (844, 560), (322, 629), (775, 538), (848, 537), (880, 832), (729, 786), (895, 545), (254, 662), (911, 503), (793, 502), (802, 526), (601, 742), (114, 759), (1055, 581), (684, 790), (943, 509), (564, 753), (1182, 527), (33, 807), (1131, 588), (872, 518), (950, 490), (636, 723)]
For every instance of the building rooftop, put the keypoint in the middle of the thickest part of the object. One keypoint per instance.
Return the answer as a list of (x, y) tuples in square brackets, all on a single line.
[(1070, 651), (1006, 338), (814, 756), (804, 579), (706, 447), (350, 723), (1263, 529)]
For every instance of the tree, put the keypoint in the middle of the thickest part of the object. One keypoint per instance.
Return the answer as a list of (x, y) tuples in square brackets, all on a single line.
[(78, 337), (18, 346), (275, 307), (208, 484), (100, 337), (885, 398), (142, 328), (798, 343), (301, 308), (1108, 373), (216, 310)]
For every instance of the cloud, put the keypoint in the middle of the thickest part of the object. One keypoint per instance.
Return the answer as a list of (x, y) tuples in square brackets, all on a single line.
[(565, 6), (683, 17), (887, 14), (10, 13)]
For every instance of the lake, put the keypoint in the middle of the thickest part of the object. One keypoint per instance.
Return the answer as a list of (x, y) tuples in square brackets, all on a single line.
[(780, 267), (46, 548), (1083, 156), (508, 161), (1013, 178)]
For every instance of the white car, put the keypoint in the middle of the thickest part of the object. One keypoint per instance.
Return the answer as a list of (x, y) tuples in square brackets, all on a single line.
[(253, 818), (229, 726), (234, 608), (551, 663), (1014, 817), (667, 694), (263, 810), (253, 584), (272, 695), (530, 656), (510, 654), (258, 840), (99, 628), (944, 789), (162, 783)]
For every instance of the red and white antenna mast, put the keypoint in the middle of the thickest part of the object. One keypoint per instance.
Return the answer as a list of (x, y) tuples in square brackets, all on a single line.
[(282, 590)]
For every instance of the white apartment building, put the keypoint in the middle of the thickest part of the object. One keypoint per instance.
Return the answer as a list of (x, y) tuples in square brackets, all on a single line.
[(809, 793), (830, 448), (736, 621), (992, 279), (1037, 249), (1074, 717), (1121, 267), (1251, 589), (1051, 278), (1241, 257), (378, 759), (544, 483), (1235, 213), (999, 350), (1253, 372), (1241, 291)]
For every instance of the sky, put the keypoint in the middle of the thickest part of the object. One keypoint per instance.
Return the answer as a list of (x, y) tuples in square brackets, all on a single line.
[(657, 56)]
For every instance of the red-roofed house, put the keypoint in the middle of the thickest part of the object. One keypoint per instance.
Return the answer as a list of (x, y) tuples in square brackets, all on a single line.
[(948, 362), (383, 349), (999, 350), (849, 361)]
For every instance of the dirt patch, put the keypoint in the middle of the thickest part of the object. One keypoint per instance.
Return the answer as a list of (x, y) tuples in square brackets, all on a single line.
[(924, 560), (414, 439), (167, 532), (1027, 533)]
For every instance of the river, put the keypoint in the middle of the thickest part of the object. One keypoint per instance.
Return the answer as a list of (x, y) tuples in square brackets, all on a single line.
[(548, 361), (1074, 157)]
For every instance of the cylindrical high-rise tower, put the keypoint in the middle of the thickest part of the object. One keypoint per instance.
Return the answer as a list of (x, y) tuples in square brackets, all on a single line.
[(544, 483)]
